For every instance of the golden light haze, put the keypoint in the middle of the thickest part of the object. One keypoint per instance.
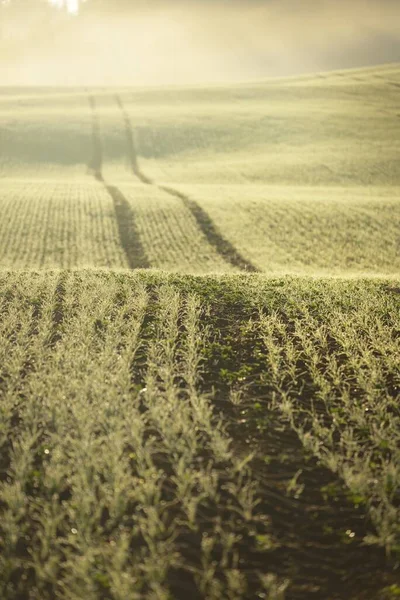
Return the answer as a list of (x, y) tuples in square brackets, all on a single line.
[(194, 42), (72, 6)]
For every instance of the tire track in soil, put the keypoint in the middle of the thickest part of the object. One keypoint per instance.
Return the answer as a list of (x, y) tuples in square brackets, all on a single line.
[(311, 553), (310, 526), (131, 144), (127, 229), (95, 165), (214, 237)]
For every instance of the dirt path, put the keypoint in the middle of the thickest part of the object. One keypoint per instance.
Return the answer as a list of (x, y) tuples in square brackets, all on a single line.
[(125, 216), (205, 223)]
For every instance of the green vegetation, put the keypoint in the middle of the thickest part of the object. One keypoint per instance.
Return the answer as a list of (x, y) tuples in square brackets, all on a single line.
[(308, 165), (200, 341), (61, 224)]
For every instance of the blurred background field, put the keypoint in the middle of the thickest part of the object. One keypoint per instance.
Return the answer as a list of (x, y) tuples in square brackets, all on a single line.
[(300, 174)]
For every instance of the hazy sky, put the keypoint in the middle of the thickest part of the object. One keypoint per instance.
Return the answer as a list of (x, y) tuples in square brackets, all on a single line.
[(178, 41), (71, 5)]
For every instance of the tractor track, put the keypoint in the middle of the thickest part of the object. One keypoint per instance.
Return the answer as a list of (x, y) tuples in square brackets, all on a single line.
[(131, 144), (95, 165), (205, 223), (127, 229), (126, 222)]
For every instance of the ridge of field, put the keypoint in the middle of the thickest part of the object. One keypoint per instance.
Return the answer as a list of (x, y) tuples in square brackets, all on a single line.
[(388, 69), (337, 130), (283, 176), (206, 437)]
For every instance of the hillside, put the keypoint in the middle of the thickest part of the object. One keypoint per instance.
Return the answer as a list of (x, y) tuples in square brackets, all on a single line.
[(199, 341), (288, 176)]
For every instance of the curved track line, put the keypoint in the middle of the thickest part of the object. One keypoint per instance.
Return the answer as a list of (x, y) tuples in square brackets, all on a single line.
[(127, 229), (214, 237), (95, 165), (131, 145), (125, 216)]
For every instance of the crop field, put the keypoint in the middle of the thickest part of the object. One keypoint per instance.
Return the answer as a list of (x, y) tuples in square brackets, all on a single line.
[(200, 341)]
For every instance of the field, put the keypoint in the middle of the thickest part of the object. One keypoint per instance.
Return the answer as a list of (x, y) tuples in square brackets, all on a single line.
[(200, 341)]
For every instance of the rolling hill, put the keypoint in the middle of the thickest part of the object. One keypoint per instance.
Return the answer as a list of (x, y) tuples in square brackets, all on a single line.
[(200, 343)]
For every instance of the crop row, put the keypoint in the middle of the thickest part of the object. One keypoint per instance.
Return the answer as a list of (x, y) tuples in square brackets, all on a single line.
[(170, 235), (58, 225), (118, 480), (325, 356), (308, 231), (74, 225), (334, 375)]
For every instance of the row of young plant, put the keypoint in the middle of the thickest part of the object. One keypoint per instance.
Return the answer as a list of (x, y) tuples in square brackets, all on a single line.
[(170, 235), (58, 225), (332, 356), (117, 479)]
